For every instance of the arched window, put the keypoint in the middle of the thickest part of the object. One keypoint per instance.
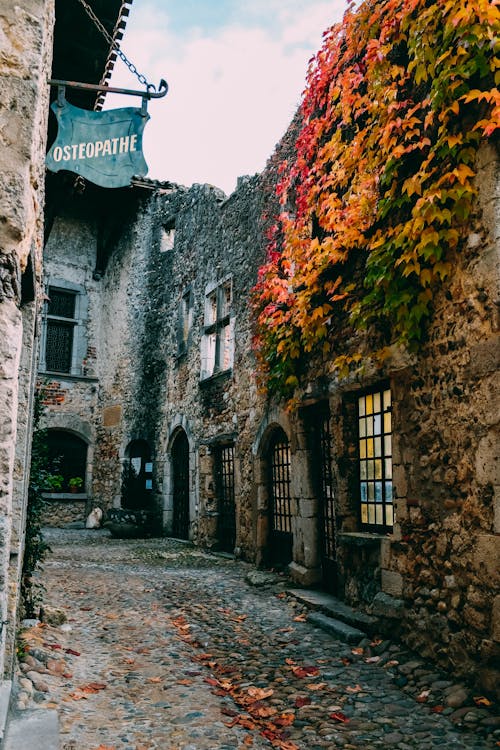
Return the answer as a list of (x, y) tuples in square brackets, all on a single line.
[(67, 461)]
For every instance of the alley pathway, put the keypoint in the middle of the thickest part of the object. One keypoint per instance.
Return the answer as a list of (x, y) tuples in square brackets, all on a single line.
[(168, 648)]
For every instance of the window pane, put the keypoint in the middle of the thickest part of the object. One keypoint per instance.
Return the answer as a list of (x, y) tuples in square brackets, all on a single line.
[(378, 446), (388, 468), (388, 492), (369, 426), (371, 514), (361, 406), (211, 309), (364, 514), (377, 424), (370, 448), (362, 448), (387, 400), (225, 302), (389, 515), (59, 346), (378, 468), (378, 492), (369, 404), (387, 421), (61, 303), (362, 427), (376, 402), (225, 348), (388, 445), (379, 515)]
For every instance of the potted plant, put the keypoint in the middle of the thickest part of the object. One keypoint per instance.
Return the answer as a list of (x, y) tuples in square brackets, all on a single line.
[(54, 482), (75, 484)]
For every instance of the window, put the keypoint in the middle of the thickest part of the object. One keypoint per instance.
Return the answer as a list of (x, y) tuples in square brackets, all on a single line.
[(63, 346), (217, 340), (61, 323), (375, 460), (167, 237), (67, 461), (185, 321)]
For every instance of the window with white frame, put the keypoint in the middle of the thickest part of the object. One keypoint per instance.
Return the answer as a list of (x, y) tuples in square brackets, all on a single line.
[(185, 321), (375, 460), (217, 345)]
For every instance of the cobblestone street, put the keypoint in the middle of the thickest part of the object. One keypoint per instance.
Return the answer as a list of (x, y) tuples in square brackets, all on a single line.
[(166, 647)]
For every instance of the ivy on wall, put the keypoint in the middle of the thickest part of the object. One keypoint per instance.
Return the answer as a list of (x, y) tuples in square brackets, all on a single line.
[(397, 102)]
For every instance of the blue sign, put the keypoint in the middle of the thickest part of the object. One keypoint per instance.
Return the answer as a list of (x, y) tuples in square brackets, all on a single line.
[(104, 147)]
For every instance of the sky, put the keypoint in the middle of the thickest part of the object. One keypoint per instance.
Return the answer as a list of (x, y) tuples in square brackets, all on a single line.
[(235, 69)]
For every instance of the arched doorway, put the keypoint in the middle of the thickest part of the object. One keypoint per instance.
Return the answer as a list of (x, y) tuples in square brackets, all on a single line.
[(137, 477), (67, 461), (280, 512), (180, 486)]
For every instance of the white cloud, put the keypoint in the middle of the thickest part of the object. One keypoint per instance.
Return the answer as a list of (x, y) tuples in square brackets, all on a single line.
[(232, 94)]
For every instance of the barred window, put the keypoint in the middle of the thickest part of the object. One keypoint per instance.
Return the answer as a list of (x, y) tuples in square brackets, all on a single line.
[(375, 460), (60, 330)]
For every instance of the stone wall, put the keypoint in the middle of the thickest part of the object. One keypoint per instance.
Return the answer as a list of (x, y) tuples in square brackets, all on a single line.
[(25, 62)]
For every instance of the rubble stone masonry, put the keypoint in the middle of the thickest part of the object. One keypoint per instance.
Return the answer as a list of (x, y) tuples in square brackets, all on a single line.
[(25, 62)]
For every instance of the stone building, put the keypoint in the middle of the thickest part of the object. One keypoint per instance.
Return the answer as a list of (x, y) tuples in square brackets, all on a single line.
[(37, 39), (381, 487)]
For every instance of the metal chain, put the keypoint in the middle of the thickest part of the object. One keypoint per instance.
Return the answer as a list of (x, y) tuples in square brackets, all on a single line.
[(141, 78)]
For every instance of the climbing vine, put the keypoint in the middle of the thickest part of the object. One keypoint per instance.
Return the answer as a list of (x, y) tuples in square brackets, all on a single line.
[(381, 185), (35, 548)]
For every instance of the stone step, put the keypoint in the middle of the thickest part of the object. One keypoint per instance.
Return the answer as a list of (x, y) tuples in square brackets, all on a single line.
[(338, 610), (5, 689), (338, 629), (33, 730)]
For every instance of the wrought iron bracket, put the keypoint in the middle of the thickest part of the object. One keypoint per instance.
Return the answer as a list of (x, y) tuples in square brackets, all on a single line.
[(150, 93)]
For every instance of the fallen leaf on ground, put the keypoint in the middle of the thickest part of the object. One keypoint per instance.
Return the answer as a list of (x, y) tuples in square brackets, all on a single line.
[(93, 687), (248, 740), (482, 701), (300, 618), (316, 686), (306, 671), (70, 651), (156, 680), (259, 694), (358, 651), (339, 716), (373, 659), (355, 689), (300, 701), (423, 696), (184, 682), (437, 709)]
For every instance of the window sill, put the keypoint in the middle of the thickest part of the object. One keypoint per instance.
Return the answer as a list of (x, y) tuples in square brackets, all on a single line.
[(51, 496), (68, 376), (222, 375), (360, 538)]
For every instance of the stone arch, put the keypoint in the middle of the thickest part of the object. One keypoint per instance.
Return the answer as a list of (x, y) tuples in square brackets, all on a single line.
[(180, 430), (77, 427), (276, 425)]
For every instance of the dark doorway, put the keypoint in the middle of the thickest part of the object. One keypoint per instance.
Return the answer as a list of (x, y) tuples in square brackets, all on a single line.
[(137, 478), (224, 481), (180, 470), (281, 537), (324, 486)]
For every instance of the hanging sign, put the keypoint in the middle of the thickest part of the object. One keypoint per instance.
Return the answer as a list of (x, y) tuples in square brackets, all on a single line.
[(104, 147)]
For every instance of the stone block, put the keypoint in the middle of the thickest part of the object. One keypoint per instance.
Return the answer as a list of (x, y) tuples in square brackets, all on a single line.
[(495, 619), (338, 629), (487, 463), (111, 416), (392, 582), (304, 576), (388, 606), (486, 556)]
